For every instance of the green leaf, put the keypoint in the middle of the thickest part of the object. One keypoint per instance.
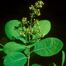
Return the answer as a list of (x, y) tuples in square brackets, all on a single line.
[(10, 29), (43, 27), (36, 65), (48, 47), (13, 47), (22, 39), (27, 51), (15, 59), (13, 29), (63, 58)]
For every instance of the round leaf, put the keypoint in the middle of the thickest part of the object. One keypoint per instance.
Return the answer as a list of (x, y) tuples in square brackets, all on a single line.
[(48, 47), (11, 29), (13, 47), (43, 26), (15, 59)]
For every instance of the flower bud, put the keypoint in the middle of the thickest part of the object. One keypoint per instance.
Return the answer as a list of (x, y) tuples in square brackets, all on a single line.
[(39, 4), (24, 20)]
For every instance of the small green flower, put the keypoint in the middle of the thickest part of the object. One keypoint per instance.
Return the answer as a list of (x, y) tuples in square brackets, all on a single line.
[(24, 20), (39, 4), (35, 9), (37, 12), (31, 7)]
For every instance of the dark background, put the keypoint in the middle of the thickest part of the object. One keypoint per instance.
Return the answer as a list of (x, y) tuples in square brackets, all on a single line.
[(53, 10)]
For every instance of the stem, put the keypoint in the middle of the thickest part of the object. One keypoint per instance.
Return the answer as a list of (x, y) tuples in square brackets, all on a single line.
[(28, 56), (28, 61), (29, 38)]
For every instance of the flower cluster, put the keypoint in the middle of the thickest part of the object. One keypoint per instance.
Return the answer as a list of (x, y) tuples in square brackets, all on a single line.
[(36, 8)]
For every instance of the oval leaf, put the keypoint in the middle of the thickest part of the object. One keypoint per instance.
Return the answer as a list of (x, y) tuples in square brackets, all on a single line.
[(44, 26), (36, 65), (15, 59), (11, 29), (48, 47), (13, 47)]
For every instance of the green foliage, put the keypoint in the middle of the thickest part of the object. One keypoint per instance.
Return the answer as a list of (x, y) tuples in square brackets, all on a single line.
[(15, 59), (27, 51), (63, 58), (13, 47), (13, 30), (30, 32), (10, 29), (48, 47), (43, 27)]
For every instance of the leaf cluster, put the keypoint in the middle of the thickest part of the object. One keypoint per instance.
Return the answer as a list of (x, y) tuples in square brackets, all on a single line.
[(30, 34)]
